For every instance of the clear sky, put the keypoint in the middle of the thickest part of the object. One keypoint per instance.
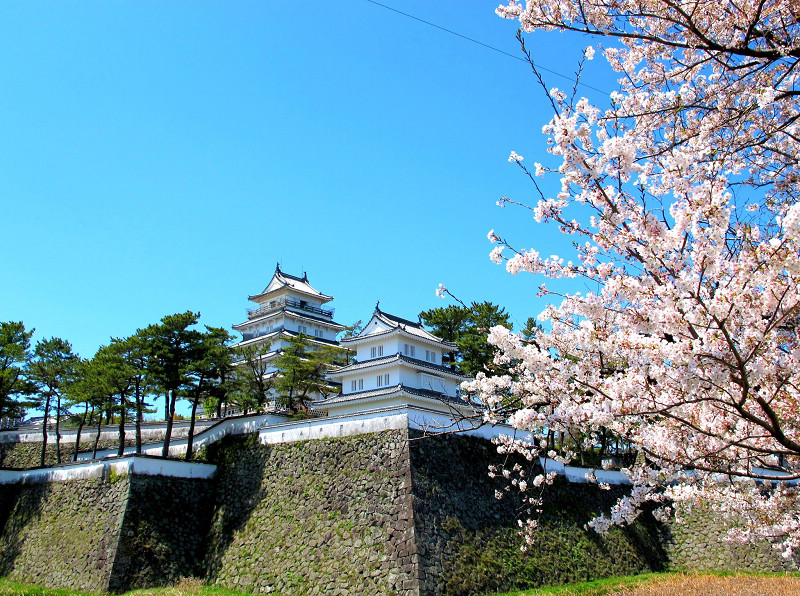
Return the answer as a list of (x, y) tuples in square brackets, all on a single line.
[(159, 156)]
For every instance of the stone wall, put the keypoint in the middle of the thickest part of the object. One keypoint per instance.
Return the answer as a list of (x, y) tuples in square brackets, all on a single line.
[(115, 532), (163, 532), (377, 514), (389, 512), (314, 517), (63, 534), (18, 455), (699, 544), (468, 540)]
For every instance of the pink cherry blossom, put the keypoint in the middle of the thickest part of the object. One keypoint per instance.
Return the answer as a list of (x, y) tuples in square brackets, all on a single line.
[(682, 198)]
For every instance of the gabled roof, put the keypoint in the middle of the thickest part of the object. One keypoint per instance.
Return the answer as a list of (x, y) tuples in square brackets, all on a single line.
[(395, 390), (290, 313), (383, 323), (398, 358), (281, 280), (285, 333)]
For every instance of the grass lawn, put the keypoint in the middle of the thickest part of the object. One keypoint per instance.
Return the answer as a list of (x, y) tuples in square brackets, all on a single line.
[(649, 584), (187, 587)]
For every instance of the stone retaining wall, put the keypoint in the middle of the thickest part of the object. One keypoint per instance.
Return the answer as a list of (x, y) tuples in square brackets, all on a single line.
[(113, 532), (468, 539), (388, 512), (163, 532), (314, 517), (63, 534), (699, 544)]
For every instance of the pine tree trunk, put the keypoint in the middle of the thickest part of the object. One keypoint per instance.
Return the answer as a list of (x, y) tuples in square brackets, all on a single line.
[(190, 440), (58, 429), (44, 430), (121, 448), (139, 416), (170, 414), (78, 434), (97, 438)]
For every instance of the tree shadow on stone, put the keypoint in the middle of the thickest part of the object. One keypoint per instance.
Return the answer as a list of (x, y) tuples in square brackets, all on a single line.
[(240, 468), (19, 506)]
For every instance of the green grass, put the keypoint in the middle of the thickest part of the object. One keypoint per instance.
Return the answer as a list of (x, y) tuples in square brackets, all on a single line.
[(195, 587), (187, 587)]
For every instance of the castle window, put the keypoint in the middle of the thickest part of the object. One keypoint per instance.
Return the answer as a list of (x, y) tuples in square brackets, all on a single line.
[(430, 356), (383, 380), (360, 384), (375, 352), (409, 350)]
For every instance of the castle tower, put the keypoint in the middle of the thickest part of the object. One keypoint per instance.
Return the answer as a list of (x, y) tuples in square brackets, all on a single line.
[(398, 362), (288, 306)]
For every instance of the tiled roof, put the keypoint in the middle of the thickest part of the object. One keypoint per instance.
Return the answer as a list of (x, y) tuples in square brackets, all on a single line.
[(366, 364), (299, 284), (385, 391), (400, 324), (291, 312), (282, 331)]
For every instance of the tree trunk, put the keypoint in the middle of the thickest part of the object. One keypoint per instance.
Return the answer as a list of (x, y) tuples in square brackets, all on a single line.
[(44, 430), (170, 414), (139, 415), (190, 440), (97, 438), (78, 434), (121, 448), (603, 444), (58, 429)]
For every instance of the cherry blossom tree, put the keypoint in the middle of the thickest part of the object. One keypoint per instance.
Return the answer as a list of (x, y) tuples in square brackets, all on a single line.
[(681, 197)]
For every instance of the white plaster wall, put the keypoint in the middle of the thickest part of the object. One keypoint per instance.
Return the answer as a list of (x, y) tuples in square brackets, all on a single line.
[(99, 469), (229, 426)]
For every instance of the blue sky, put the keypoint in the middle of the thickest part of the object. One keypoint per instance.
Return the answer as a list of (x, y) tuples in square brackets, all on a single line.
[(157, 157)]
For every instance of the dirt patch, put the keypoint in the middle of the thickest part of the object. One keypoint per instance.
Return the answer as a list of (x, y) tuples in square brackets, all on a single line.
[(709, 585)]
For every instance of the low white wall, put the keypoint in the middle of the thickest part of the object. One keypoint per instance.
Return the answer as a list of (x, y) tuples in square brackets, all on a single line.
[(228, 426), (99, 469)]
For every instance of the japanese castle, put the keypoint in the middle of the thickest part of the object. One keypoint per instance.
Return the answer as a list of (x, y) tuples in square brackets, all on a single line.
[(287, 307), (397, 362)]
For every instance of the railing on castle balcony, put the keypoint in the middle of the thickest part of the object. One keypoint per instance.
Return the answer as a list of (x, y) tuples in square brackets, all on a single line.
[(252, 335), (252, 313)]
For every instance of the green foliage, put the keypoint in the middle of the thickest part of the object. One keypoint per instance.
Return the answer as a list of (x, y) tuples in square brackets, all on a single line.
[(171, 348), (209, 374), (531, 330), (52, 370), (301, 372), (250, 386), (15, 344), (468, 328), (352, 330)]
